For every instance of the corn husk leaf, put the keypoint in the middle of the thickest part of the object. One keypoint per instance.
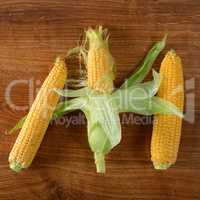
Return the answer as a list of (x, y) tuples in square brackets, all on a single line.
[(99, 144), (69, 106), (104, 129), (152, 86), (143, 70), (140, 99), (152, 106), (104, 111), (136, 98), (72, 93), (18, 125), (161, 106)]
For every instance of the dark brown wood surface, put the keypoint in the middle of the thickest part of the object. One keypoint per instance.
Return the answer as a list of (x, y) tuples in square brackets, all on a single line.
[(32, 33)]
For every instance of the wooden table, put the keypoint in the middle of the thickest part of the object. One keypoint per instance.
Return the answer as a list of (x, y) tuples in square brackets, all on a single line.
[(32, 33)]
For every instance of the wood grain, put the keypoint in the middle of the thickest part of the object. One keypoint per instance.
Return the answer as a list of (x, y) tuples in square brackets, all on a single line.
[(32, 33)]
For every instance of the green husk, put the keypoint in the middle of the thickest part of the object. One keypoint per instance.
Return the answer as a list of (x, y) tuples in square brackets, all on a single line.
[(103, 109), (137, 97), (72, 93), (161, 106), (99, 143), (152, 86), (144, 69), (17, 126), (97, 138), (104, 129), (68, 106), (100, 162)]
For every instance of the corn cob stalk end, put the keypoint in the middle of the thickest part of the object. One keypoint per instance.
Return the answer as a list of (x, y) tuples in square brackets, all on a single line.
[(100, 162), (161, 166), (15, 166)]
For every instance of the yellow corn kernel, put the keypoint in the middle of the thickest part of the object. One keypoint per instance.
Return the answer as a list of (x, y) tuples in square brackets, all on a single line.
[(38, 118), (99, 61), (167, 128)]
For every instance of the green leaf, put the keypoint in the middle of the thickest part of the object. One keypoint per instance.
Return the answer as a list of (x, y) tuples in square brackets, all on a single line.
[(152, 106), (72, 93), (161, 106), (97, 136), (152, 86), (18, 125), (143, 70), (69, 106), (103, 111), (136, 98), (139, 101)]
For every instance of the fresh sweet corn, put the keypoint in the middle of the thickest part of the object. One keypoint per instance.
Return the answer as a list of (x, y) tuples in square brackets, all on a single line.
[(167, 128), (99, 61), (38, 118)]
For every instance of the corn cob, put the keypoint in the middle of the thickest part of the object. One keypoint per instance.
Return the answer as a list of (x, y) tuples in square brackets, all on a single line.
[(167, 128), (38, 118), (99, 62)]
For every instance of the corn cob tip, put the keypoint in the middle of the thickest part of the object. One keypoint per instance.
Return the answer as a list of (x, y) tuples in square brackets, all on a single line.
[(15, 167), (97, 37), (172, 51), (161, 166), (100, 162), (173, 55), (60, 60)]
